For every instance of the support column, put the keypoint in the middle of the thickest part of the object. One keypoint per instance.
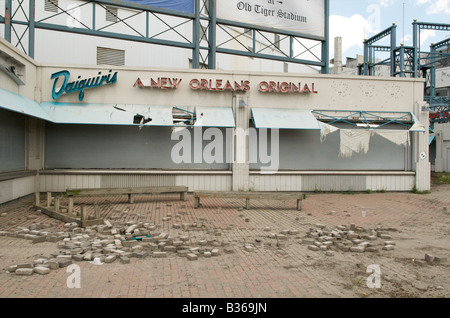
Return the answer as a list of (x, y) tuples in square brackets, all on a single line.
[(416, 44), (70, 205), (31, 33), (422, 156), (196, 36), (212, 35), (393, 47), (326, 43), (8, 11), (241, 166)]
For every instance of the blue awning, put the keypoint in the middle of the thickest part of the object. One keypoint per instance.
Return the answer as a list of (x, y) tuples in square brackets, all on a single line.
[(432, 138), (280, 118), (20, 104), (109, 114), (417, 125), (215, 117)]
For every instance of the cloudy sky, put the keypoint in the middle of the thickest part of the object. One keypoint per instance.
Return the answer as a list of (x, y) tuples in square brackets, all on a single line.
[(352, 19)]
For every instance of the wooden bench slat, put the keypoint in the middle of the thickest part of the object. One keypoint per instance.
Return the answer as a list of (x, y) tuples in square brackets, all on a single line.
[(118, 191), (250, 195)]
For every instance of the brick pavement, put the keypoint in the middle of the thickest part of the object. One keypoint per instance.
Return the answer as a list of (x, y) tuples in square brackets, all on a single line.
[(270, 272)]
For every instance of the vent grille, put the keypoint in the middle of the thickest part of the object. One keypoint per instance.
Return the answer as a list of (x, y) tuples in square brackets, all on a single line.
[(107, 56), (111, 14), (51, 6)]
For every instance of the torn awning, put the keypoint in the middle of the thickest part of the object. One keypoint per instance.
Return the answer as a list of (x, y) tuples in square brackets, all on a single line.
[(214, 117), (417, 125), (281, 118), (109, 114), (432, 138), (20, 104)]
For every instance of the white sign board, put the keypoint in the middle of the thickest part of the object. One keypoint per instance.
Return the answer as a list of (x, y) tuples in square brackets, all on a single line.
[(301, 16)]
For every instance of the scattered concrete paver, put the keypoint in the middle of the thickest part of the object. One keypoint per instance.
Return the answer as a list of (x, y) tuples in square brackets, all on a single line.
[(211, 252)]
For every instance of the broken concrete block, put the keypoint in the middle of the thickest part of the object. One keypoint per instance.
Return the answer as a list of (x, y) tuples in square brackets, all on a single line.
[(131, 229), (357, 249), (385, 236), (64, 262), (313, 247), (24, 271), (215, 252), (323, 247), (170, 248), (389, 243), (207, 254), (52, 264), (388, 247), (329, 253), (130, 243), (372, 249), (228, 250), (78, 257), (110, 258), (440, 260), (159, 254), (281, 237), (308, 241), (41, 270), (11, 268), (183, 253), (192, 257), (293, 232), (125, 260), (267, 229), (357, 241), (25, 265), (429, 258)]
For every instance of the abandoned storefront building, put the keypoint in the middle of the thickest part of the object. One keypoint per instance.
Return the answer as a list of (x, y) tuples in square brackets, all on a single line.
[(71, 126)]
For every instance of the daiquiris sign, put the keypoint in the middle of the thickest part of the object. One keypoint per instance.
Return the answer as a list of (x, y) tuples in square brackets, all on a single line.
[(79, 85), (302, 16)]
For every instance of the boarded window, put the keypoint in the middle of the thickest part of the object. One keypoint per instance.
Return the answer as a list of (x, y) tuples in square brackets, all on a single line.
[(107, 56), (111, 14), (51, 6)]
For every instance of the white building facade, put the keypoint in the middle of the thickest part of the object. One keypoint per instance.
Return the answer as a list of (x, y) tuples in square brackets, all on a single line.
[(206, 129)]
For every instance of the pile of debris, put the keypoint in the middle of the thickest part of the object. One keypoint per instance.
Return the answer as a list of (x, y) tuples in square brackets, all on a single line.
[(107, 243), (348, 239)]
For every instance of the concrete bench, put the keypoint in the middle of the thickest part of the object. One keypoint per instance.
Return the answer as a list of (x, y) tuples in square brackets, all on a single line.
[(250, 195)]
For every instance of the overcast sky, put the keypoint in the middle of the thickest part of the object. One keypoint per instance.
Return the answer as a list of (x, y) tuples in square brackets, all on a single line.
[(351, 19)]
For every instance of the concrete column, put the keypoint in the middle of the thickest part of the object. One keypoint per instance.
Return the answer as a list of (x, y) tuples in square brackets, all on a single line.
[(439, 162), (35, 143), (97, 211), (70, 205), (421, 149), (35, 147), (241, 167)]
